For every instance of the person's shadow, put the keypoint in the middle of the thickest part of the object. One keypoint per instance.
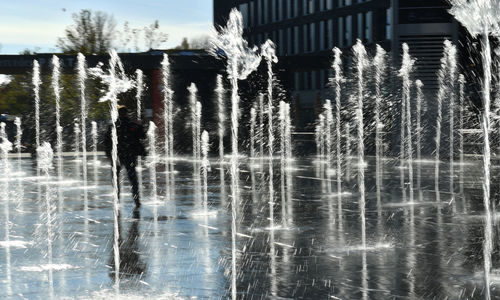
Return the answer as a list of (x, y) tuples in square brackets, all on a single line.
[(131, 264)]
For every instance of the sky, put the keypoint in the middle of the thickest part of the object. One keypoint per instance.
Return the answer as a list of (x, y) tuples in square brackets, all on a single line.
[(36, 24)]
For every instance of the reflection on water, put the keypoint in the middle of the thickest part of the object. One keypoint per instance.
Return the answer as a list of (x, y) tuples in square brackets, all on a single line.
[(425, 249)]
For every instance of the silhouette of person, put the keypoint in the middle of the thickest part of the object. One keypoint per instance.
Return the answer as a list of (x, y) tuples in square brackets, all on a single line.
[(130, 145), (131, 264)]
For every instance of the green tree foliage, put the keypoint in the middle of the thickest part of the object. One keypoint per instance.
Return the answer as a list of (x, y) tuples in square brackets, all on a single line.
[(92, 33)]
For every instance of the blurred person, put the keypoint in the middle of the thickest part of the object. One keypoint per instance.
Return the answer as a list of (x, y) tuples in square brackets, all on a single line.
[(130, 145)]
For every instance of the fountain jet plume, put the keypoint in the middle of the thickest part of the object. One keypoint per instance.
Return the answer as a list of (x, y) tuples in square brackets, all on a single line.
[(82, 76), (241, 61), (221, 115), (405, 73), (488, 23), (36, 90), (56, 74), (360, 60), (379, 62)]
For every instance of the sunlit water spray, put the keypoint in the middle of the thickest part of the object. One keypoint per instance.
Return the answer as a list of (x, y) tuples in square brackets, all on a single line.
[(418, 133), (241, 61), (82, 77), (461, 96), (405, 73), (338, 79), (44, 157), (361, 63), (17, 142), (117, 82), (168, 126), (205, 167), (379, 62), (488, 22), (36, 91), (253, 115), (139, 79), (152, 159), (193, 103), (5, 147), (452, 78), (221, 115), (56, 74), (444, 89)]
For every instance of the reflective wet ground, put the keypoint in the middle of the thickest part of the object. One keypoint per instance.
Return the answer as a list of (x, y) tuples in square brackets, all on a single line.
[(177, 248)]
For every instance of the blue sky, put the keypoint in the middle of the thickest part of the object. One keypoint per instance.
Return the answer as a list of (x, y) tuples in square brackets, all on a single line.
[(38, 23)]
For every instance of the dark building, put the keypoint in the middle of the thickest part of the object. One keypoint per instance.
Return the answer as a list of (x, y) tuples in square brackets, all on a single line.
[(305, 31), (186, 67)]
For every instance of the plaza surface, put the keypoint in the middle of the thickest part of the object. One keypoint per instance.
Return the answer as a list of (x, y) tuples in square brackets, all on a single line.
[(177, 248)]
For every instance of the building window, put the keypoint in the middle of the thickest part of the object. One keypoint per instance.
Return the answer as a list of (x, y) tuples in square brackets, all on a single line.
[(321, 5), (312, 37), (368, 27), (296, 77), (289, 9), (289, 45), (329, 4), (340, 27), (296, 40), (361, 27), (259, 12), (265, 11), (313, 83), (243, 8), (296, 8), (388, 23), (281, 42), (310, 6), (280, 10), (322, 35), (306, 38), (348, 31), (329, 33), (251, 20), (259, 39)]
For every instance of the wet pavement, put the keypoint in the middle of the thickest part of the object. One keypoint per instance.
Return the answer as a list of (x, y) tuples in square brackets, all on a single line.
[(178, 248)]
